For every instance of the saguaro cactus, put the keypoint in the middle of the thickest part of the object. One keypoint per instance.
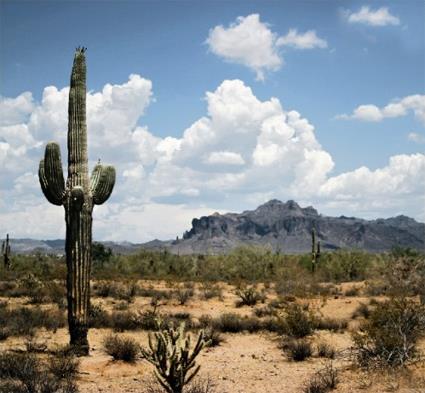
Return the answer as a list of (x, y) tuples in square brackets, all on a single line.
[(315, 251), (78, 196), (5, 250)]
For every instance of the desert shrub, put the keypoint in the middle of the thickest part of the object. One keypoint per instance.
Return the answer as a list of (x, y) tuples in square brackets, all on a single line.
[(120, 291), (390, 335), (362, 310), (183, 295), (297, 350), (323, 380), (265, 311), (25, 373), (299, 323), (234, 323), (197, 386), (405, 275), (99, 317), (170, 353), (213, 336), (63, 366), (209, 291), (353, 291), (121, 306), (325, 350), (147, 320), (56, 293), (332, 324), (121, 348), (248, 297), (125, 320), (341, 266), (24, 320)]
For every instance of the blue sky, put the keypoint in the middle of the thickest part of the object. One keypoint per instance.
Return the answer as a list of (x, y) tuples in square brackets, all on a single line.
[(358, 53)]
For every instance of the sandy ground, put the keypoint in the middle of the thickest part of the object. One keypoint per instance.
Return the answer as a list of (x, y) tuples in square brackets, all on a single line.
[(243, 363)]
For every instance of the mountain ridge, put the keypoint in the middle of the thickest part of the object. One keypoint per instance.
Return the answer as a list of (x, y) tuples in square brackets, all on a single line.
[(279, 226)]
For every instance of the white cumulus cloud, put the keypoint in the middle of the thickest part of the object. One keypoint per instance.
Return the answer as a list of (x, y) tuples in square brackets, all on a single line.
[(307, 40), (396, 108), (378, 17), (251, 42)]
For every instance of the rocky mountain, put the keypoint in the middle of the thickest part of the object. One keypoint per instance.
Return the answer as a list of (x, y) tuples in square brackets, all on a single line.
[(284, 227), (287, 227)]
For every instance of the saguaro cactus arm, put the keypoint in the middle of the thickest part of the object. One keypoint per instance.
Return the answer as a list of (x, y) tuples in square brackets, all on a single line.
[(51, 175), (102, 183)]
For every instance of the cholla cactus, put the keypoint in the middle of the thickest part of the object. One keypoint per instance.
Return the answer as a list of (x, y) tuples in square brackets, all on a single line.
[(5, 250), (315, 251), (169, 352), (78, 196)]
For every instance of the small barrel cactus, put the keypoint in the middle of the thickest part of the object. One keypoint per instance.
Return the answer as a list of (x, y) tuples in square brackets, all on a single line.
[(77, 195)]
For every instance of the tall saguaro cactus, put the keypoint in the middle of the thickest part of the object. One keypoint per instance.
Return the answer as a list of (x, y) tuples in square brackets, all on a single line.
[(5, 250), (78, 196), (315, 251)]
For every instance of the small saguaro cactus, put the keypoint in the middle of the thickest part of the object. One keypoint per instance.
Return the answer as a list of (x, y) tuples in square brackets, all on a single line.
[(170, 353), (315, 251), (77, 195), (5, 250)]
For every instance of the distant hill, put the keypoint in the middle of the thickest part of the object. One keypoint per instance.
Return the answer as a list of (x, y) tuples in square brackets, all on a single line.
[(287, 227), (284, 227)]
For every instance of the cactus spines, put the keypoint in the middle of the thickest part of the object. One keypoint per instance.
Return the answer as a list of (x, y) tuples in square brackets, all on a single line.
[(315, 251), (170, 353), (5, 250), (77, 195)]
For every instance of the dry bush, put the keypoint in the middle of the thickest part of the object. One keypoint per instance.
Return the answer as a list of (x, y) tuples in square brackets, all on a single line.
[(323, 380), (362, 310), (25, 373), (249, 296), (299, 323), (121, 348), (390, 334), (183, 295), (332, 324), (297, 349), (325, 350)]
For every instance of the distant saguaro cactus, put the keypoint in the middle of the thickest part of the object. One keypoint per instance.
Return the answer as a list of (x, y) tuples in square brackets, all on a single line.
[(315, 251), (5, 250), (78, 196)]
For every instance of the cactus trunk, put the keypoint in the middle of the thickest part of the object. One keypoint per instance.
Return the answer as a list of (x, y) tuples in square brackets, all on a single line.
[(78, 197), (5, 248)]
